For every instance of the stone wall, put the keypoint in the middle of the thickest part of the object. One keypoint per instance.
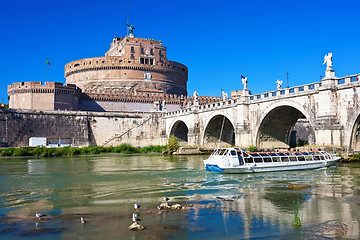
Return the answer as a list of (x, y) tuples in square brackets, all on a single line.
[(47, 96), (85, 128)]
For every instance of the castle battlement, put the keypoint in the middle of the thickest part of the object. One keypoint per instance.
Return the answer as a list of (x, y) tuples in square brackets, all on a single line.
[(120, 63), (39, 87)]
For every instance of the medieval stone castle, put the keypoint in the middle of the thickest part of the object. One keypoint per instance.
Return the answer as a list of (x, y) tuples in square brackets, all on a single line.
[(134, 76)]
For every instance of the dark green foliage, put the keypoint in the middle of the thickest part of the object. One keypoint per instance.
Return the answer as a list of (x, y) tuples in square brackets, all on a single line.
[(37, 151), (23, 151), (301, 143), (253, 149), (172, 145), (63, 151), (126, 148), (152, 148)]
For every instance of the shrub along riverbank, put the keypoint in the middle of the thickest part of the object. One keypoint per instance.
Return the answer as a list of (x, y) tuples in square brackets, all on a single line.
[(63, 151)]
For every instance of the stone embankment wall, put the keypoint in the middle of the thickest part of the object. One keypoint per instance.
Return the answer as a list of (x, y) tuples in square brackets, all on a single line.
[(85, 128)]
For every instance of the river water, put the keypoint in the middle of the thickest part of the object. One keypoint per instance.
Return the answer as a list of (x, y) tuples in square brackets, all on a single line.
[(103, 190)]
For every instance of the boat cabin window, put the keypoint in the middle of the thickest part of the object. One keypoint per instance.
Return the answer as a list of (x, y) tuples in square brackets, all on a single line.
[(292, 157), (241, 162), (276, 159), (301, 158), (284, 159), (249, 160), (258, 159), (245, 154), (221, 151), (233, 153)]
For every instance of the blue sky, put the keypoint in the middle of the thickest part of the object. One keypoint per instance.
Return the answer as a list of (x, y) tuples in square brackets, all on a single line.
[(216, 40)]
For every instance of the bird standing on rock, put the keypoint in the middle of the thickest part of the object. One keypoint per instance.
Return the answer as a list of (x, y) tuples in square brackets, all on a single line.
[(166, 199), (137, 206), (135, 218), (82, 220)]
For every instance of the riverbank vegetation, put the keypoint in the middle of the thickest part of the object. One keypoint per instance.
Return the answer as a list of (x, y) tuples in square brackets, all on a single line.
[(172, 145), (63, 151)]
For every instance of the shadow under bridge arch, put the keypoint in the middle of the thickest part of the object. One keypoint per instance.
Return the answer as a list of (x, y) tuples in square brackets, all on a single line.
[(180, 131), (277, 128), (219, 132)]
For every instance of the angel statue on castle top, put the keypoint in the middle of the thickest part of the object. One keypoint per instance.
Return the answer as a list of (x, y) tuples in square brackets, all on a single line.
[(278, 83), (328, 61), (131, 29)]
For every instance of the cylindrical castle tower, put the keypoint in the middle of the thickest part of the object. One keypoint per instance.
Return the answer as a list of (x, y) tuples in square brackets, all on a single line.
[(131, 64)]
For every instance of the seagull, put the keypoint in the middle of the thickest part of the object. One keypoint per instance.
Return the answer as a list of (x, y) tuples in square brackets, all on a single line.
[(135, 218), (40, 215), (82, 220), (137, 206), (159, 208), (166, 199)]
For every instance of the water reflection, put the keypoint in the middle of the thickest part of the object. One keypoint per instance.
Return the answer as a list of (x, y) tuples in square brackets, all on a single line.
[(103, 190)]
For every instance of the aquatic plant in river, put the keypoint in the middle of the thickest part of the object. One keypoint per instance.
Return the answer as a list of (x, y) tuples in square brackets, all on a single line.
[(297, 218)]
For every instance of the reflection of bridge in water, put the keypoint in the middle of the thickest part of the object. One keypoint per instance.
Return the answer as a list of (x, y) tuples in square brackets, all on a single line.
[(267, 119)]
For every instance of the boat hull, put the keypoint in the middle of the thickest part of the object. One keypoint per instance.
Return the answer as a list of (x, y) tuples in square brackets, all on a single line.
[(263, 167)]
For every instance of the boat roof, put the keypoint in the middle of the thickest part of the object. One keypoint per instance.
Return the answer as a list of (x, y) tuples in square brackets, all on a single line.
[(272, 152)]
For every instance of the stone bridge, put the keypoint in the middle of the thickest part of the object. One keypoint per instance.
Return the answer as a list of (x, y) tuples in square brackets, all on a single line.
[(266, 120)]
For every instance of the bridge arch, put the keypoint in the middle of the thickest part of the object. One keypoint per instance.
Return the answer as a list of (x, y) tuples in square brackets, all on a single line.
[(352, 131), (180, 130), (276, 123), (218, 129)]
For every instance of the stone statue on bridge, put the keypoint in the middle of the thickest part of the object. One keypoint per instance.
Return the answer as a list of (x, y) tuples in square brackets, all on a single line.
[(195, 97), (244, 81), (328, 61), (224, 95), (279, 82)]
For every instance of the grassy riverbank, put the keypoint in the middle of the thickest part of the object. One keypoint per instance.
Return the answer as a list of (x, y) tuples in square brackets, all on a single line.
[(63, 151)]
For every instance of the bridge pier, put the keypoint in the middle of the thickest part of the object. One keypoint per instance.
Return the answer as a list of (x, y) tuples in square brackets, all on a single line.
[(242, 135), (329, 131)]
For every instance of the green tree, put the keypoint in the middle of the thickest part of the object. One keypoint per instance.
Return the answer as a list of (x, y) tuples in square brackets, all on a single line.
[(172, 145)]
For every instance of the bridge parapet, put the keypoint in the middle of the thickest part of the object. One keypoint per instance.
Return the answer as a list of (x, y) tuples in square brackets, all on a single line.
[(312, 88), (348, 81)]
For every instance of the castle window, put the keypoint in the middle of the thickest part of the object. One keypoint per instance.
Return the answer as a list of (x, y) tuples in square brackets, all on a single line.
[(76, 65), (160, 52), (147, 61), (132, 56), (142, 50), (132, 49), (151, 51)]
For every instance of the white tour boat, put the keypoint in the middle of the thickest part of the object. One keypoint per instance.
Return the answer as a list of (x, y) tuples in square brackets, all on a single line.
[(236, 160)]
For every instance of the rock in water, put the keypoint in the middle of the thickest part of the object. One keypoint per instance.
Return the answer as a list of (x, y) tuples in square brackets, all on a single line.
[(176, 206), (135, 227), (165, 205)]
